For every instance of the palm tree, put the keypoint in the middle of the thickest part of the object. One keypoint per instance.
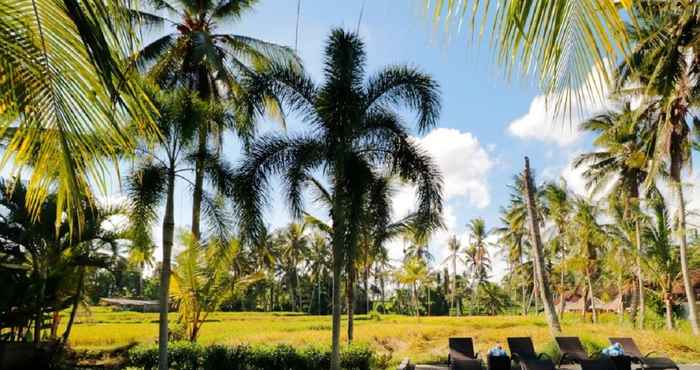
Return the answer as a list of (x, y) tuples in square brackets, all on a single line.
[(63, 74), (211, 64), (558, 208), (413, 272), (295, 245), (454, 249), (588, 240), (318, 265), (662, 254), (541, 279), (663, 65), (154, 178), (477, 255), (621, 161), (355, 134)]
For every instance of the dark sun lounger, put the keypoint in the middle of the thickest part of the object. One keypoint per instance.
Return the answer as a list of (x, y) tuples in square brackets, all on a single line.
[(654, 363), (572, 351), (462, 355), (523, 351)]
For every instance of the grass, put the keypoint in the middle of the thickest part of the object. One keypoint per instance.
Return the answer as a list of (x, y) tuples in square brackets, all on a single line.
[(424, 340)]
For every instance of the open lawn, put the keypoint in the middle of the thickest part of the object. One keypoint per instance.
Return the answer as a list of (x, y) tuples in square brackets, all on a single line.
[(424, 340)]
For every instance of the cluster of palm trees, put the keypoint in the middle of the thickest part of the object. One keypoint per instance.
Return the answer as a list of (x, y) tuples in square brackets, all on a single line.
[(80, 92)]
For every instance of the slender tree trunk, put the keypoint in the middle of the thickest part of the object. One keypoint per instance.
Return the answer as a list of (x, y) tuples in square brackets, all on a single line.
[(168, 236), (381, 283), (562, 288), (39, 307), (367, 288), (594, 314), (415, 300), (338, 216), (428, 288), (669, 309), (640, 277), (689, 291), (621, 307), (140, 286), (76, 302), (454, 284), (350, 291), (538, 257)]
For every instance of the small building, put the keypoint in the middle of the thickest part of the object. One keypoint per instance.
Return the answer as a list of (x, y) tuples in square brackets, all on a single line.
[(125, 304), (678, 291)]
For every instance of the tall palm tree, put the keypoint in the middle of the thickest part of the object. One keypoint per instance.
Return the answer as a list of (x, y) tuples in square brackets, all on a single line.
[(356, 133), (662, 254), (541, 279), (319, 265), (558, 208), (413, 273), (588, 241), (477, 255), (196, 57), (153, 181), (295, 245), (620, 161), (664, 65), (63, 74), (454, 249)]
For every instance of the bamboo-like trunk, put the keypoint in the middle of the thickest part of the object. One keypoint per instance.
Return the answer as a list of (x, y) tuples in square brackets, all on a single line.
[(168, 237), (538, 257)]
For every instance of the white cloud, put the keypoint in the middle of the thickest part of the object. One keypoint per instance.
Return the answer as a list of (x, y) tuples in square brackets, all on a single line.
[(464, 163), (542, 123)]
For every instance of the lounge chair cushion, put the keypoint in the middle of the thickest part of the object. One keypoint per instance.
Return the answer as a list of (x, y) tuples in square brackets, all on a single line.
[(658, 363), (463, 363)]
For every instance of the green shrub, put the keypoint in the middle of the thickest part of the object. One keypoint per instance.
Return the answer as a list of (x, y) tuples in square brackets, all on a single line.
[(191, 356)]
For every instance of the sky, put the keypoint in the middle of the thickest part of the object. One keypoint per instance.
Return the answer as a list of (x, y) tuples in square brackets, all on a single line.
[(488, 122)]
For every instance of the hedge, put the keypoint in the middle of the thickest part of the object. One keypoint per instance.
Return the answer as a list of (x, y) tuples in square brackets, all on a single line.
[(192, 356)]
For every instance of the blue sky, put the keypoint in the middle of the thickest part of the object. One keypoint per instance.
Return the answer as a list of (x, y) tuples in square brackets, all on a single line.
[(488, 123)]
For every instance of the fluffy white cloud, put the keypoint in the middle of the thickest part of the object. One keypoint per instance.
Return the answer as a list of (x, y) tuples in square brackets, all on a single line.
[(542, 123), (464, 163)]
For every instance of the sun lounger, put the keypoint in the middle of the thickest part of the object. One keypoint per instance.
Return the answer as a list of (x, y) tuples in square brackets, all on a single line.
[(603, 363), (462, 355), (523, 351), (647, 362), (572, 351)]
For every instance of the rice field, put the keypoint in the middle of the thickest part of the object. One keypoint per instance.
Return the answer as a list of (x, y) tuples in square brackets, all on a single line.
[(423, 339)]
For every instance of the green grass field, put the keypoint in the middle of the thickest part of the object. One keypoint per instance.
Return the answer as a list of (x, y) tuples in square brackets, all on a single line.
[(424, 340)]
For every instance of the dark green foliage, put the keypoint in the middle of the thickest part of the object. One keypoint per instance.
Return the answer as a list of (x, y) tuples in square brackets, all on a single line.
[(192, 356)]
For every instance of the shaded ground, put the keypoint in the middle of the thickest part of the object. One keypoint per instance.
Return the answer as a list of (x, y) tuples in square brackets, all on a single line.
[(423, 340)]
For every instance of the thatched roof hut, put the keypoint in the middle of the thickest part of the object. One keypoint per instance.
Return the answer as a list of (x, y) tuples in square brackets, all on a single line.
[(130, 304)]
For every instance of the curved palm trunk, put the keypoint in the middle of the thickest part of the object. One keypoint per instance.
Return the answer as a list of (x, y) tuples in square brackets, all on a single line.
[(640, 277), (689, 292), (168, 236), (76, 302), (538, 257)]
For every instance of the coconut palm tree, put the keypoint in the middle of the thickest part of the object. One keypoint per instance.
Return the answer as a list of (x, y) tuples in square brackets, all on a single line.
[(664, 65), (540, 274), (454, 249), (413, 273), (558, 209), (356, 134), (153, 181), (477, 257), (620, 160), (63, 72), (196, 57), (295, 245), (662, 253), (588, 241)]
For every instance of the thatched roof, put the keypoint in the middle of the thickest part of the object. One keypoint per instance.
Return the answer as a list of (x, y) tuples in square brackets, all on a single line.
[(126, 302), (678, 289)]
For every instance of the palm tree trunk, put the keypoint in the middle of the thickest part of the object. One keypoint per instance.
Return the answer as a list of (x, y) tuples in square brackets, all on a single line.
[(640, 277), (689, 291), (338, 216), (669, 309), (168, 236), (350, 291), (76, 302), (415, 300), (367, 288), (538, 257), (562, 289), (594, 315), (428, 288), (454, 284)]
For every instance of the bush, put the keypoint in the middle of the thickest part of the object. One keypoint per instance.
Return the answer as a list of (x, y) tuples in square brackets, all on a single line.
[(191, 356)]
